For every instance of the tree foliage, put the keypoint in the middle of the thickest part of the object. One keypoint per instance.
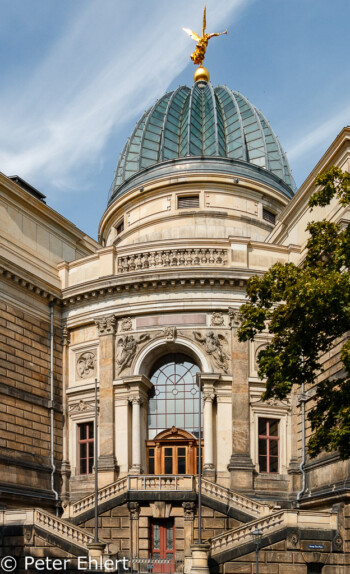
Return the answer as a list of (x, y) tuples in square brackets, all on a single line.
[(307, 311)]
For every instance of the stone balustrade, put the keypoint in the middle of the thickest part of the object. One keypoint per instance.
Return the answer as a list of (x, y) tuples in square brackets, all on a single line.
[(233, 499), (186, 257), (273, 522), (50, 524), (130, 483), (62, 529), (105, 493)]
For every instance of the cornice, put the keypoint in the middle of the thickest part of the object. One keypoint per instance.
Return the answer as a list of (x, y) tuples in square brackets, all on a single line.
[(28, 281), (146, 281), (16, 195)]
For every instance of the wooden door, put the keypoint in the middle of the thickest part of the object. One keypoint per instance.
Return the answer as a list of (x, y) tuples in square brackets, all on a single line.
[(163, 544)]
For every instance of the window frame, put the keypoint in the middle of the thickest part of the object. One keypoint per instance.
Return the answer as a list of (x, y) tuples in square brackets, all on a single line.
[(89, 440), (269, 438)]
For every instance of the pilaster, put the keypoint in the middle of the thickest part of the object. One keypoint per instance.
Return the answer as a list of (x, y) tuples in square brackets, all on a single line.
[(240, 466), (107, 464)]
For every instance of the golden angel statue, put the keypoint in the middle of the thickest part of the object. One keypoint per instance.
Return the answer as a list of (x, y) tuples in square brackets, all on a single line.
[(202, 42)]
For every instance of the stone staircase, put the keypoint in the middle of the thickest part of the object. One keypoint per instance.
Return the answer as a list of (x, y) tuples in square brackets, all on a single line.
[(225, 500), (56, 531), (275, 527)]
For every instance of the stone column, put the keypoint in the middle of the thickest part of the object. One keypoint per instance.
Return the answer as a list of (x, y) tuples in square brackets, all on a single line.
[(134, 510), (189, 508), (208, 466), (107, 466), (136, 435), (140, 388), (65, 468), (240, 466)]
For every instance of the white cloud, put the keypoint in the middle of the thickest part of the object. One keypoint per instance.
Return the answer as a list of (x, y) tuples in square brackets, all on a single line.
[(320, 136), (111, 63)]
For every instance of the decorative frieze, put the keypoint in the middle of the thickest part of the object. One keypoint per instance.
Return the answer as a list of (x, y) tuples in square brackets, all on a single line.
[(213, 346), (172, 258)]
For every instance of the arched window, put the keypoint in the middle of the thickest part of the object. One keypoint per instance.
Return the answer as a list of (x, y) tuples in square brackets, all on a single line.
[(175, 403)]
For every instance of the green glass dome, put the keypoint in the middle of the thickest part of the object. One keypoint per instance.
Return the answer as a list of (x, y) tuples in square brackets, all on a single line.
[(202, 122)]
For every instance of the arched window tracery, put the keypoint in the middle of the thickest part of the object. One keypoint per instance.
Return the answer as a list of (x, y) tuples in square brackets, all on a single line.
[(175, 403)]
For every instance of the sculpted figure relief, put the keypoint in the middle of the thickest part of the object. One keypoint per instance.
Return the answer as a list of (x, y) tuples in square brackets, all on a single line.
[(126, 350), (86, 365), (213, 345)]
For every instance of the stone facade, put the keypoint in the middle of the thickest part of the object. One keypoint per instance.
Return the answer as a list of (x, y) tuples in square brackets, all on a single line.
[(169, 283)]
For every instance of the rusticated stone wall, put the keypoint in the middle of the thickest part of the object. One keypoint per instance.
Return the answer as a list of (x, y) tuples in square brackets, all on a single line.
[(24, 406)]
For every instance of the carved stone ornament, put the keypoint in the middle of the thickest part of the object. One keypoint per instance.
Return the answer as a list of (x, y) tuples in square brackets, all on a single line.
[(169, 333), (213, 346), (28, 532), (65, 335), (235, 318), (134, 509), (126, 350), (82, 406), (126, 324), (217, 319), (208, 397), (106, 325), (189, 508), (86, 365)]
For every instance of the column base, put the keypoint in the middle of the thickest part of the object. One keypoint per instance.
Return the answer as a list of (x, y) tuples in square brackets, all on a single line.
[(200, 556), (241, 470), (209, 472), (136, 469)]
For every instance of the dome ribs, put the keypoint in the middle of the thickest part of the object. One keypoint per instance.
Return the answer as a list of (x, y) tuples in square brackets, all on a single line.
[(171, 132), (233, 126), (201, 122), (152, 133)]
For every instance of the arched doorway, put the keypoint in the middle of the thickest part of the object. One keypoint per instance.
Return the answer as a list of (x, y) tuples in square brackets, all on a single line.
[(173, 416)]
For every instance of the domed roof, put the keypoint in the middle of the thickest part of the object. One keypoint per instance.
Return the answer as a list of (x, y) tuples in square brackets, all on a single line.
[(202, 122)]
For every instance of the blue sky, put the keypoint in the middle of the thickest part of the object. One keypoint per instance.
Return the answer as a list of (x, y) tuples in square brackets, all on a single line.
[(77, 74)]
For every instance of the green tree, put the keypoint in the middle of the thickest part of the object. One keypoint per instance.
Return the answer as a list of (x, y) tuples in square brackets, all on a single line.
[(307, 310)]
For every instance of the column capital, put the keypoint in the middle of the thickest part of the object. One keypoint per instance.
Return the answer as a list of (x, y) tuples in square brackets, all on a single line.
[(189, 508), (136, 400), (207, 396), (134, 509), (106, 325)]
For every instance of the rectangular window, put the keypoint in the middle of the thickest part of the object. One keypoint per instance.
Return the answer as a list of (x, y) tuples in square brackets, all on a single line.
[(188, 201), (85, 447), (120, 227), (269, 216), (268, 430), (151, 465)]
